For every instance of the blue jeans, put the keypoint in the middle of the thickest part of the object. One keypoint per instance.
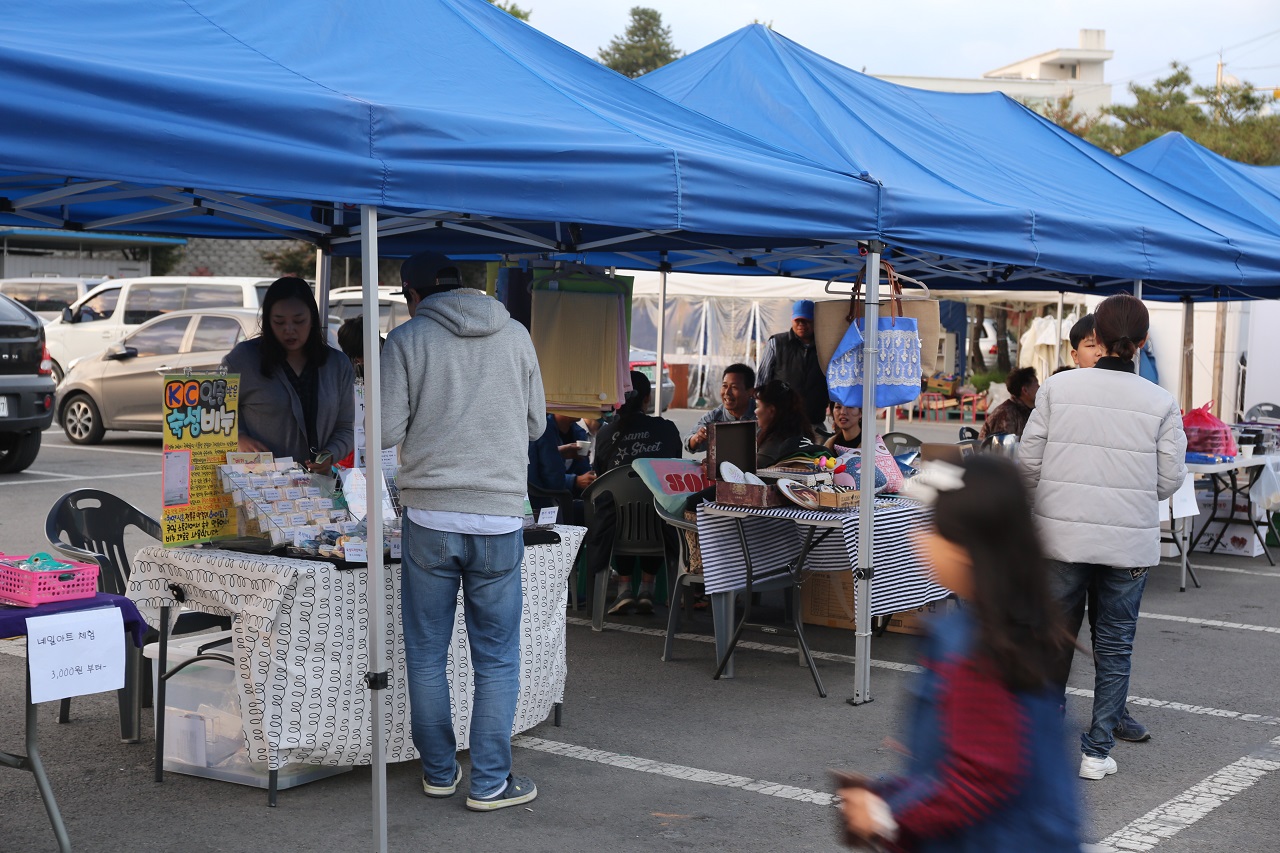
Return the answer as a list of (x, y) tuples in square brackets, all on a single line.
[(488, 568), (1119, 596)]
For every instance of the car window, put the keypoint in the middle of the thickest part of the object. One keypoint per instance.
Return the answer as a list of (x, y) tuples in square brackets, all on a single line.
[(399, 314), (56, 296), (11, 313), (345, 310), (262, 292), (101, 306), (214, 296), (151, 300), (28, 293), (160, 338), (214, 334)]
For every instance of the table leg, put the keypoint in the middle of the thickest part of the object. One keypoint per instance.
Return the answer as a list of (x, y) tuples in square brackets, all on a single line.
[(722, 618), (1180, 534), (162, 667), (273, 781), (36, 766)]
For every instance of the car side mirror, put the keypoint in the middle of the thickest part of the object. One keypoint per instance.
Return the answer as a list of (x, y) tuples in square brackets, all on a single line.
[(119, 351), (67, 315)]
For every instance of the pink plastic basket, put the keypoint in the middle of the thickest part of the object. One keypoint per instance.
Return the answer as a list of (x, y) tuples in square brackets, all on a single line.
[(29, 588)]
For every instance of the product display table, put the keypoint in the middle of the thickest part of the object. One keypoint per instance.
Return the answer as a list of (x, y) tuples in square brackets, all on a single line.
[(300, 644), (1225, 479), (13, 623), (775, 538)]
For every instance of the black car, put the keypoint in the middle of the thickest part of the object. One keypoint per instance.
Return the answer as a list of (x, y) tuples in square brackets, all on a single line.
[(26, 386)]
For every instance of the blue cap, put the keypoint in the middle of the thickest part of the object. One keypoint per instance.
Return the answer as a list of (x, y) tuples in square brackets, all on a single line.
[(802, 309)]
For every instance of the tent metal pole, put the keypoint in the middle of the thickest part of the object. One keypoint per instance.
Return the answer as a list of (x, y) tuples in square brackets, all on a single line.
[(1057, 339), (324, 274), (662, 332), (377, 595), (865, 571), (1188, 357), (1137, 288)]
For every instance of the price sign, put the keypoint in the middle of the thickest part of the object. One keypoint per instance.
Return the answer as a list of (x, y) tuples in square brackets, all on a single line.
[(76, 653)]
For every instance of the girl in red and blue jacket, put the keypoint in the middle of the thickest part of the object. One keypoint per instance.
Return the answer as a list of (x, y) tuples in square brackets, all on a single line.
[(988, 766)]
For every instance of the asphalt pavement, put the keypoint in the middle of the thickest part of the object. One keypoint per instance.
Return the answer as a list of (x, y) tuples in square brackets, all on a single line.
[(656, 755)]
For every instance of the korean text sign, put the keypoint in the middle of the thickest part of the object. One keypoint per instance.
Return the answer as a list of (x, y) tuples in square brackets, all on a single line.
[(201, 425)]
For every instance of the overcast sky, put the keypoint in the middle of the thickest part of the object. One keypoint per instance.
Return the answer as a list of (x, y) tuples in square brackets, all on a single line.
[(951, 38)]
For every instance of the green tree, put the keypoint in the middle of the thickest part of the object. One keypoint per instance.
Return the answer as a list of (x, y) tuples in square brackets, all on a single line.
[(294, 257), (645, 46), (1231, 119), (513, 10)]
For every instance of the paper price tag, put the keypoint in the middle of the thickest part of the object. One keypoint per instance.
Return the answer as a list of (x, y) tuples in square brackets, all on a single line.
[(76, 653), (548, 515)]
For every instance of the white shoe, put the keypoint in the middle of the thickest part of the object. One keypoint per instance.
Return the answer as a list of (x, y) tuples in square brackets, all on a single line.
[(1096, 768)]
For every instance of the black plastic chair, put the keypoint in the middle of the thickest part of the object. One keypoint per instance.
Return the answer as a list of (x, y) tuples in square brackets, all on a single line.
[(968, 433), (1263, 410), (679, 578), (88, 525), (900, 442), (637, 532)]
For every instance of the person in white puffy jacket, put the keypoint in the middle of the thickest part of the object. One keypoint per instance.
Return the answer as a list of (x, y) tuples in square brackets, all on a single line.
[(1103, 447)]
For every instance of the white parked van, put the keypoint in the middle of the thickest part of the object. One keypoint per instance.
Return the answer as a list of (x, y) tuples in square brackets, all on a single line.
[(114, 308)]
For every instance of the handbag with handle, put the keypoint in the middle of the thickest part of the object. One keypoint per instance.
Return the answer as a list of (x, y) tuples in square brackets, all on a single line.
[(831, 320), (898, 365)]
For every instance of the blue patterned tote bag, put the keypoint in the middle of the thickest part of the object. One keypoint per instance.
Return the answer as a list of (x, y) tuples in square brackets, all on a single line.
[(898, 366)]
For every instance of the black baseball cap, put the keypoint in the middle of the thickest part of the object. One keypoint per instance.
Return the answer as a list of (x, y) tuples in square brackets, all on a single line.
[(422, 271)]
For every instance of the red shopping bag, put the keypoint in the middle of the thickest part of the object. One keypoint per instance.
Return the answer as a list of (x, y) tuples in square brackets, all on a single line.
[(1207, 434)]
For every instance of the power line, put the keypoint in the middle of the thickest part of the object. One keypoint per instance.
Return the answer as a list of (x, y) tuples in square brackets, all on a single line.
[(1208, 55)]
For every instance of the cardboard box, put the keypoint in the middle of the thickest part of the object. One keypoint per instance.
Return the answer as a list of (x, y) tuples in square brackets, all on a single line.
[(1243, 506), (839, 500), (1239, 540), (826, 598), (914, 621)]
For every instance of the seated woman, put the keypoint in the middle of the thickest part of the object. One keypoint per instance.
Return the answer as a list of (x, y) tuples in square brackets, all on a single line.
[(297, 394), (631, 435), (848, 423), (782, 423)]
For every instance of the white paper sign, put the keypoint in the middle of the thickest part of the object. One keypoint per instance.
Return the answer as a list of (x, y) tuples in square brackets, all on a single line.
[(76, 653), (547, 515), (1184, 500)]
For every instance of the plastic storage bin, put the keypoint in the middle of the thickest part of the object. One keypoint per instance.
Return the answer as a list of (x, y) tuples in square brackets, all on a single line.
[(204, 732)]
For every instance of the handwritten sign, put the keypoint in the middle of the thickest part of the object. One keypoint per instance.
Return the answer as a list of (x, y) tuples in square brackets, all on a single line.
[(76, 653), (201, 426)]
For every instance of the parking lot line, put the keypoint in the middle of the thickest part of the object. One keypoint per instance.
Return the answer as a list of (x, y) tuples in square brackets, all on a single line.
[(52, 477), (79, 448), (906, 667), (1170, 818), (675, 771), (1211, 623)]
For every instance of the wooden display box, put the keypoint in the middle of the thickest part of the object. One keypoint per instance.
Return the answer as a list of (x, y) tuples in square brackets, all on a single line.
[(839, 500), (938, 385), (736, 443)]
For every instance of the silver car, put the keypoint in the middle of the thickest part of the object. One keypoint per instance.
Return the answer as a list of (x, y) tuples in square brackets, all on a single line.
[(122, 387)]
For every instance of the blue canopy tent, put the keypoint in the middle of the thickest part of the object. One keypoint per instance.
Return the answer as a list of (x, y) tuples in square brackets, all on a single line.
[(447, 120), (976, 190), (1252, 192)]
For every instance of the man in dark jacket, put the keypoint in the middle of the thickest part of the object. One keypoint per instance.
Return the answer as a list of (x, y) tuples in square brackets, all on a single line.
[(792, 357)]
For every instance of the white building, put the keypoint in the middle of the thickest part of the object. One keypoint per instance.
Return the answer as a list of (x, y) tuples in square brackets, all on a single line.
[(1039, 80)]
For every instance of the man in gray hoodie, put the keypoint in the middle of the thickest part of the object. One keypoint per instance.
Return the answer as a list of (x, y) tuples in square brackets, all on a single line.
[(461, 359)]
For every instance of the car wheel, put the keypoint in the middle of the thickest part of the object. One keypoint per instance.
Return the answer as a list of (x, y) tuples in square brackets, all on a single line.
[(58, 374), (18, 450), (81, 420)]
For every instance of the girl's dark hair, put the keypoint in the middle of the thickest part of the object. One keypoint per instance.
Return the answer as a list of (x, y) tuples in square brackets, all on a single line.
[(272, 353), (790, 419), (1121, 323), (1020, 628), (634, 405)]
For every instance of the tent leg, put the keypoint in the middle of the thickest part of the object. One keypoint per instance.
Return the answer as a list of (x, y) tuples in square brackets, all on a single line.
[(866, 511), (379, 666), (662, 331), (1188, 357), (324, 275)]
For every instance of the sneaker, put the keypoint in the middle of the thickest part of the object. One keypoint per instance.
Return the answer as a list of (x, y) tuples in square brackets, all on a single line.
[(442, 791), (520, 789), (623, 602), (1131, 730), (1096, 768), (644, 601)]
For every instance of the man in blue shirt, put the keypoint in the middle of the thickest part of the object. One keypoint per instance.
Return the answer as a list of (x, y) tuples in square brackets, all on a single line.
[(555, 463)]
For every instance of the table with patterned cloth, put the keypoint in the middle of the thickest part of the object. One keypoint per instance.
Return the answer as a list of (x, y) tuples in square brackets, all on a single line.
[(776, 535), (300, 642)]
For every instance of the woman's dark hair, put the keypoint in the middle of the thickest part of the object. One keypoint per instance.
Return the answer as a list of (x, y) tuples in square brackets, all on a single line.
[(636, 401), (1121, 324), (1020, 628), (273, 354), (790, 418)]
